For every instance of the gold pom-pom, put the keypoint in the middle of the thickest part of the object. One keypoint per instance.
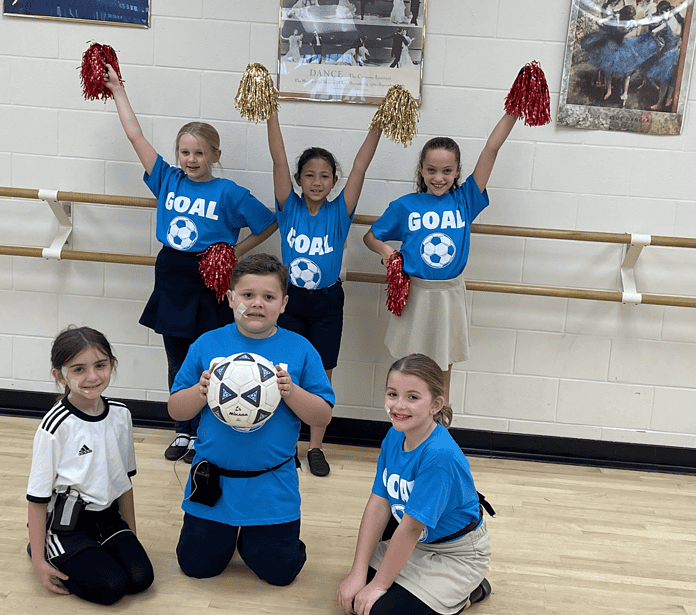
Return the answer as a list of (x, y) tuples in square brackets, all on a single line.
[(257, 97), (397, 115)]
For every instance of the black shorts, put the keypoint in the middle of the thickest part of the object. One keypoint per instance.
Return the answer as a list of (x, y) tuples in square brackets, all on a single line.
[(318, 316), (93, 529)]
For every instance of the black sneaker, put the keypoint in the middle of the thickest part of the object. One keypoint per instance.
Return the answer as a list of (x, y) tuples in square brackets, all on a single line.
[(481, 592), (317, 462), (177, 449), (190, 451)]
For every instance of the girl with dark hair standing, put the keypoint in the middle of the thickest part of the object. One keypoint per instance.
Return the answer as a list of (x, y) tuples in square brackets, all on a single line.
[(313, 232), (81, 513)]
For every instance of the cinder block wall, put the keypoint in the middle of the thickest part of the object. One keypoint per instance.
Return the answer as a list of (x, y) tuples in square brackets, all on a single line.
[(540, 365)]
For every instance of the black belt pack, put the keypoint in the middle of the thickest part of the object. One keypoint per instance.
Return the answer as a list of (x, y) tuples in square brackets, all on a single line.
[(66, 511), (205, 480)]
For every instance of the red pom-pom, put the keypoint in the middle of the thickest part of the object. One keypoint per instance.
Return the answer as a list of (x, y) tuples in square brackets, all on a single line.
[(529, 96), (398, 284), (216, 266), (92, 71)]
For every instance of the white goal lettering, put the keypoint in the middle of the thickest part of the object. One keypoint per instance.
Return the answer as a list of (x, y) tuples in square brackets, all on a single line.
[(431, 220), (182, 204)]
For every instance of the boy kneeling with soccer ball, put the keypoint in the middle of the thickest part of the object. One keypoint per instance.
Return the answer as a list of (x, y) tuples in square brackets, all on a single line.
[(243, 491)]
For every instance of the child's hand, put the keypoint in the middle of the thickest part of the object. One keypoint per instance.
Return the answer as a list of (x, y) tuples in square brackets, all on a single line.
[(386, 255), (365, 599), (111, 80), (204, 382), (346, 592), (49, 576), (285, 383)]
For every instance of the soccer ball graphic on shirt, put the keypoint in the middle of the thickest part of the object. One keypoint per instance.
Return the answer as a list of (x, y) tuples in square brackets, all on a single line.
[(305, 273), (182, 233), (438, 250), (243, 391)]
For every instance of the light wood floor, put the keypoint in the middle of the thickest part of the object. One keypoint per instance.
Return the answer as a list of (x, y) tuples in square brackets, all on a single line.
[(567, 540)]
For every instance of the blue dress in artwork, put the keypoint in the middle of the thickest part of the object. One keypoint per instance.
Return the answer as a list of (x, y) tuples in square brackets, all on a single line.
[(662, 66), (608, 50)]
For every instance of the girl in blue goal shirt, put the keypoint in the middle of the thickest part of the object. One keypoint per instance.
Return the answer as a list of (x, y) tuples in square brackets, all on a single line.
[(433, 225), (194, 211), (313, 231)]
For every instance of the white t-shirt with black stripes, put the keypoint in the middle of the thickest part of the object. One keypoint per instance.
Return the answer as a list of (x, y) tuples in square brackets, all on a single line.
[(92, 454)]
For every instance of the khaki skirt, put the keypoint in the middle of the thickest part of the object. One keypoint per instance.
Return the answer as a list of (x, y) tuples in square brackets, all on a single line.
[(434, 322), (444, 575)]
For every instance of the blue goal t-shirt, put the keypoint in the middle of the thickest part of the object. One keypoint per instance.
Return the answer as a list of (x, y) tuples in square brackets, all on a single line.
[(434, 230), (191, 216), (273, 497), (312, 246), (432, 483)]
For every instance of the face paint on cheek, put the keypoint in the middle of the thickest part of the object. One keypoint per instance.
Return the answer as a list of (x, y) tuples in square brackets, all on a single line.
[(72, 383), (389, 415), (76, 387), (239, 311)]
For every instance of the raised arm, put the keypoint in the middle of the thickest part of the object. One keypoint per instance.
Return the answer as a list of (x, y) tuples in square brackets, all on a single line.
[(484, 166), (146, 153), (363, 158), (282, 181)]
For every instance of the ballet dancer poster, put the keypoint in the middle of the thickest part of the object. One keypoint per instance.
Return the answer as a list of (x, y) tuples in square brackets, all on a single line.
[(350, 50), (134, 13), (627, 65)]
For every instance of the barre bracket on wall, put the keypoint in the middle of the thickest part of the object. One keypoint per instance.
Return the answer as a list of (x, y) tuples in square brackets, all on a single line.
[(62, 210), (628, 278)]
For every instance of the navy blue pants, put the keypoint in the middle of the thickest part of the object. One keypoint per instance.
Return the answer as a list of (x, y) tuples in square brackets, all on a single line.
[(274, 552), (176, 349), (317, 315)]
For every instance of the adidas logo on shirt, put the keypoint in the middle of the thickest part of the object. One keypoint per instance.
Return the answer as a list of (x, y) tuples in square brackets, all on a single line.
[(84, 450)]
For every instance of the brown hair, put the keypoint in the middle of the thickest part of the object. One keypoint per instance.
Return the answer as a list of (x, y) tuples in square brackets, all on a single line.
[(260, 264), (447, 144), (72, 341), (201, 131), (423, 367)]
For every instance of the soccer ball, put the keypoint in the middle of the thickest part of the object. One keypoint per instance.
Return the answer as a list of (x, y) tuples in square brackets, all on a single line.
[(182, 233), (438, 250), (243, 391), (305, 273)]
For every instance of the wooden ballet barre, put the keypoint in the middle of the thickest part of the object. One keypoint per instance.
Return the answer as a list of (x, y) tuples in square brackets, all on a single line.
[(551, 233), (547, 291), (81, 197), (379, 278), (483, 229), (78, 255)]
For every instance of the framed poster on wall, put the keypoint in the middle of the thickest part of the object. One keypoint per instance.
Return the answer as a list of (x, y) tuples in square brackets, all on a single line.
[(350, 51), (134, 13), (627, 65)]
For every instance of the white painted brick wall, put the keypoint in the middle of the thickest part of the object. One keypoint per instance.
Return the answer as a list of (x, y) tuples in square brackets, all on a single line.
[(544, 366)]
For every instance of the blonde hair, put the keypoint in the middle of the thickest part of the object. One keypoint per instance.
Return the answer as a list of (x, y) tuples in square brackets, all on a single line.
[(423, 367), (201, 131)]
